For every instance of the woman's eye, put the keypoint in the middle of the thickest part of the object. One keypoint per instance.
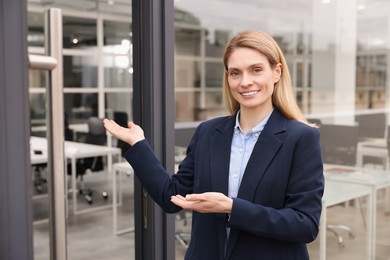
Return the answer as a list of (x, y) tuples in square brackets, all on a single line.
[(234, 74), (257, 70)]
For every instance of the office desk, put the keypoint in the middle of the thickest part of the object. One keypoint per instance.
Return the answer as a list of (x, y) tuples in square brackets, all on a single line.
[(74, 151), (371, 178), (338, 192), (119, 168)]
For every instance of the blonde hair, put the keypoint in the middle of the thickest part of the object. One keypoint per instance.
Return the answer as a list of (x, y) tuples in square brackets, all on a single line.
[(283, 97)]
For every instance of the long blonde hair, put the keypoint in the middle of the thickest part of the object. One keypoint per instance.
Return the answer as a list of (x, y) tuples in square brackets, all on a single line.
[(283, 97)]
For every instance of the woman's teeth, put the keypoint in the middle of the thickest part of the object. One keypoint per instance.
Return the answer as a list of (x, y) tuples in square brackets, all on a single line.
[(249, 93)]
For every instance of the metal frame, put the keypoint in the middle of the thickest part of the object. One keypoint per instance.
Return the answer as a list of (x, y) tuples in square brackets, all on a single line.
[(153, 106), (16, 234)]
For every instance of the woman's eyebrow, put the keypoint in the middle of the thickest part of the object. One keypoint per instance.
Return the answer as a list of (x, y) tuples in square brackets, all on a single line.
[(249, 66)]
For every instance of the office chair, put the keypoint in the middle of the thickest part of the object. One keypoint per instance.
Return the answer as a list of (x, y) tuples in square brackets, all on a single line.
[(371, 126), (339, 146), (96, 135), (315, 121), (121, 119)]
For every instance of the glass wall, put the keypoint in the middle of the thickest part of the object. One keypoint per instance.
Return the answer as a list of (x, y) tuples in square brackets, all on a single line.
[(331, 48), (337, 53), (97, 63)]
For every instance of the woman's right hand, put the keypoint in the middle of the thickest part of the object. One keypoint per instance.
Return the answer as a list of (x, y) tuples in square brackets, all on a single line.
[(130, 135)]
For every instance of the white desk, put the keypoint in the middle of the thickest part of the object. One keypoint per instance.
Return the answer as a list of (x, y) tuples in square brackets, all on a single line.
[(339, 192), (371, 178), (119, 168), (74, 151)]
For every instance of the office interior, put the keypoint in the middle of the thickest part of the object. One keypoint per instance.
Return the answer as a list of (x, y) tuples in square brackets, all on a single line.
[(338, 53)]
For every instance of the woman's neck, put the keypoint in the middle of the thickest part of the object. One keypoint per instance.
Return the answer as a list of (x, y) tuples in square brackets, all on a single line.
[(249, 118)]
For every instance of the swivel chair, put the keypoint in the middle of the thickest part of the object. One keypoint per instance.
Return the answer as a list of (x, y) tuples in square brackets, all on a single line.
[(96, 135), (339, 146)]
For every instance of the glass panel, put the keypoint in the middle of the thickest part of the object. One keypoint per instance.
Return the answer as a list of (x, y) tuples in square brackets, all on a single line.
[(36, 36), (186, 107), (214, 74), (299, 74), (80, 106), (38, 78), (215, 42), (117, 37), (187, 74), (187, 41), (119, 102), (78, 32), (309, 75), (38, 114), (118, 72), (317, 38), (80, 71), (214, 104)]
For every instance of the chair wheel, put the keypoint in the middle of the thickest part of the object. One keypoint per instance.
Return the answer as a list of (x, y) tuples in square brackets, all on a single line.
[(105, 195), (88, 198)]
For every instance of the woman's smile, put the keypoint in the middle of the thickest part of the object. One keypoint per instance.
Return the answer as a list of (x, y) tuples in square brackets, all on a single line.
[(250, 93)]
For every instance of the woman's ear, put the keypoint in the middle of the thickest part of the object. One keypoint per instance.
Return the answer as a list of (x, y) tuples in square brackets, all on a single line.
[(277, 72)]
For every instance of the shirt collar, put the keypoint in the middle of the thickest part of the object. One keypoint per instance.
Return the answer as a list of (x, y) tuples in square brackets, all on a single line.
[(255, 132)]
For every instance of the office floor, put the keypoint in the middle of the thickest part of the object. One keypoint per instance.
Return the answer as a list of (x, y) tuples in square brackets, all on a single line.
[(90, 235)]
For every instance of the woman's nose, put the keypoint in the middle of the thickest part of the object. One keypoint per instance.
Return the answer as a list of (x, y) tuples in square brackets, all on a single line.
[(247, 80)]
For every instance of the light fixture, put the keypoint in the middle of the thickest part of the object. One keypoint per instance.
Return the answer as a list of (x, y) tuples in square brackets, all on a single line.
[(326, 1), (75, 40), (361, 5)]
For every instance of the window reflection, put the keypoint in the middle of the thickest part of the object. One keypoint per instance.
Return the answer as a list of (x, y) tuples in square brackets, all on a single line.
[(214, 74), (37, 78), (216, 41), (37, 109), (78, 32), (80, 106), (35, 37), (117, 34), (187, 74), (80, 71), (187, 41), (119, 102)]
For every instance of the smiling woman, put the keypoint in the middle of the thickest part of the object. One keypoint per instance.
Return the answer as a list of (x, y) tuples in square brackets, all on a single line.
[(253, 179), (251, 81)]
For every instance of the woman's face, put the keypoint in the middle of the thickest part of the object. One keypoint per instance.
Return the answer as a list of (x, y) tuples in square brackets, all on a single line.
[(251, 79)]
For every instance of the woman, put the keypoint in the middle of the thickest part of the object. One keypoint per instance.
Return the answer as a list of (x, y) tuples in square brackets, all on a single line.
[(254, 178)]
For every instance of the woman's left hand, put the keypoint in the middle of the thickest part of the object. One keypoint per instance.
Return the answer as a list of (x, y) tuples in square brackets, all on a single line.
[(208, 202)]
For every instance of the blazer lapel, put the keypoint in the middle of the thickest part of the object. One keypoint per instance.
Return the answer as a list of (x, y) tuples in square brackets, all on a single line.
[(264, 151), (220, 146)]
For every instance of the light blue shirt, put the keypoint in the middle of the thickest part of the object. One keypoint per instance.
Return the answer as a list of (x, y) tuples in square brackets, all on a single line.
[(241, 150)]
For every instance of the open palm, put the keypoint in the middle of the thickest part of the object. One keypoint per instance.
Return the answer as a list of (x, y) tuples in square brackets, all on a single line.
[(130, 135)]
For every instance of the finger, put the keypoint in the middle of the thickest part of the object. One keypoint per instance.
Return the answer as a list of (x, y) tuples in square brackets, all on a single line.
[(192, 197), (130, 124), (178, 200)]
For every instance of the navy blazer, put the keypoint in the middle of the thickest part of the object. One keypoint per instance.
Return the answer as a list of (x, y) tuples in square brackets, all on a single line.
[(278, 206)]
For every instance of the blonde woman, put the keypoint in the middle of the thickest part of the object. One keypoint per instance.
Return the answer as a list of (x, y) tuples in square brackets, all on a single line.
[(253, 179)]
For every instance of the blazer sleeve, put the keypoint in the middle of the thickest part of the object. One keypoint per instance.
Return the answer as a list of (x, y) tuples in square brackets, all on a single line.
[(298, 219), (160, 184)]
